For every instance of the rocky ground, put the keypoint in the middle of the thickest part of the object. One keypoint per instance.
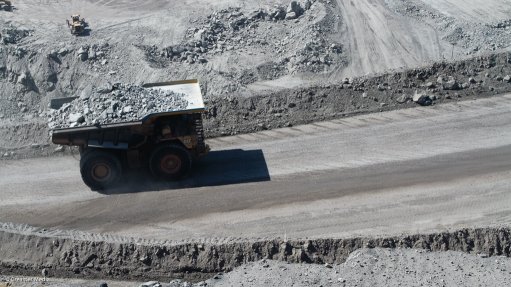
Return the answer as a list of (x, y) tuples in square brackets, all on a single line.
[(376, 267), (364, 267), (428, 259), (262, 65)]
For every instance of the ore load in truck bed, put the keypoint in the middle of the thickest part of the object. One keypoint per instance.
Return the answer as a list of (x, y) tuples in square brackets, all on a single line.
[(128, 103)]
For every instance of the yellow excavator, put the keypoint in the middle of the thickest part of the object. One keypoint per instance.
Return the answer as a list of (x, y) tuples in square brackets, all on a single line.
[(76, 25), (6, 5)]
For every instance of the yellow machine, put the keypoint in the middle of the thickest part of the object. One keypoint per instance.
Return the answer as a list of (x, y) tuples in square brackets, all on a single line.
[(77, 24), (6, 5)]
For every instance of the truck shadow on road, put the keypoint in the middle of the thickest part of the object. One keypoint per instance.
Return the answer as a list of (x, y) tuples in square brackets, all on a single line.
[(224, 167)]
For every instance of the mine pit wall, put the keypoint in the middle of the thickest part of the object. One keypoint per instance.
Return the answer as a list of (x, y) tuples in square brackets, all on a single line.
[(28, 254)]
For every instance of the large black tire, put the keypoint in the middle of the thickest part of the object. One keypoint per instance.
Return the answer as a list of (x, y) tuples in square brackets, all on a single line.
[(100, 169), (170, 162)]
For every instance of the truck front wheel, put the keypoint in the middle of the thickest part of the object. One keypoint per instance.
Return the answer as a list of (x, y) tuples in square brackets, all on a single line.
[(100, 169), (170, 162)]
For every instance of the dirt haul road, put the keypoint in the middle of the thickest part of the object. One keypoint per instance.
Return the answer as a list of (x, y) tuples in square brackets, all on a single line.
[(403, 171)]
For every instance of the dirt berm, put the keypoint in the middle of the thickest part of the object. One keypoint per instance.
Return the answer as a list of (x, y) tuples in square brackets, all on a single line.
[(482, 76), (26, 251)]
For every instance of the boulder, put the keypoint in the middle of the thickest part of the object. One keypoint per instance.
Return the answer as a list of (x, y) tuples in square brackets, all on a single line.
[(63, 51), (422, 99), (451, 84), (127, 109), (278, 13), (83, 53), (290, 15), (23, 79), (151, 284), (403, 99), (295, 7), (91, 55), (76, 118), (305, 4), (105, 88)]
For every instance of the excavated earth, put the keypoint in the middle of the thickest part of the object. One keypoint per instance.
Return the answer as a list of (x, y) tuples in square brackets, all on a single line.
[(262, 65), (124, 103), (26, 250)]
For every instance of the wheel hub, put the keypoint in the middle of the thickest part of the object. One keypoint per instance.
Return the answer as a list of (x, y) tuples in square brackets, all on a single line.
[(100, 172), (170, 164)]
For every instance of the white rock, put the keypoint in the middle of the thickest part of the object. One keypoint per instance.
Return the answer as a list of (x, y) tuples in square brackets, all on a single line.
[(127, 109), (151, 284), (290, 15), (75, 118), (422, 99)]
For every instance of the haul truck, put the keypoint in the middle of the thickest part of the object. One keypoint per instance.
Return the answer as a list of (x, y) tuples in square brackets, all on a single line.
[(166, 142)]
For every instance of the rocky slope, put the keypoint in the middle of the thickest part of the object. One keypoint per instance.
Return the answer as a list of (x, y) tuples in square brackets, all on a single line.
[(364, 267), (26, 251)]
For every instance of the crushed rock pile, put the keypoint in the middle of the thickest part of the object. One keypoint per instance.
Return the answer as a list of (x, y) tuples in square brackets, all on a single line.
[(214, 32), (232, 29), (123, 103), (292, 39), (12, 35)]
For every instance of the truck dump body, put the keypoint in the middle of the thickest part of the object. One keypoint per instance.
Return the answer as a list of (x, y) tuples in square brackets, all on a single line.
[(123, 135), (189, 91)]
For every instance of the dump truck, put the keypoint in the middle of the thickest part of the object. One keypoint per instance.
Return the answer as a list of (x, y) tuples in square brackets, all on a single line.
[(77, 24), (6, 5), (167, 143)]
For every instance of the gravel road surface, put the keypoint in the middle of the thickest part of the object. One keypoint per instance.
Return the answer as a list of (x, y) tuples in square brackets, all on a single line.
[(406, 171)]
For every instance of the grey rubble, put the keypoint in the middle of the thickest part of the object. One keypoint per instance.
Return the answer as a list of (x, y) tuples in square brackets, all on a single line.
[(123, 103), (363, 267), (232, 29), (375, 267)]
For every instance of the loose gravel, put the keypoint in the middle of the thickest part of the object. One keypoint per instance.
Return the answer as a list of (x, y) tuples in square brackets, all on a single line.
[(122, 103)]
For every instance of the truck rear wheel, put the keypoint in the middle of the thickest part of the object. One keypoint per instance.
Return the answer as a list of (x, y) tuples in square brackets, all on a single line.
[(170, 162), (100, 169)]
